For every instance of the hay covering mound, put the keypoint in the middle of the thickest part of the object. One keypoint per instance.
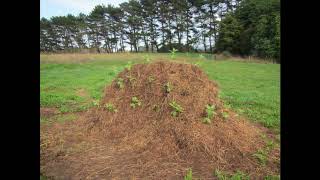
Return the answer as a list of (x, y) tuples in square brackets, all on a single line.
[(146, 137)]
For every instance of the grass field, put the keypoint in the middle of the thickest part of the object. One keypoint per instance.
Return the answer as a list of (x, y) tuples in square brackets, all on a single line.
[(73, 83)]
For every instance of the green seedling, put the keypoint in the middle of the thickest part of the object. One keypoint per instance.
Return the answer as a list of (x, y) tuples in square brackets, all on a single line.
[(96, 103), (110, 107), (173, 53), (150, 79), (119, 83), (225, 115), (131, 79), (210, 114), (177, 109), (135, 102), (189, 175), (128, 65), (167, 87)]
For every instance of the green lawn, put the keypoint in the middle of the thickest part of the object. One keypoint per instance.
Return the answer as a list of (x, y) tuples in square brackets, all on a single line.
[(73, 82)]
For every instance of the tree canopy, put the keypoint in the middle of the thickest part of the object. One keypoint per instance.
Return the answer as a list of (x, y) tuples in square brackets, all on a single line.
[(241, 27)]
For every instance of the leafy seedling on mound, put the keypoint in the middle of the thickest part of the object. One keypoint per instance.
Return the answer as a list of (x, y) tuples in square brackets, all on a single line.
[(225, 115), (167, 87), (189, 175), (110, 107), (135, 102), (156, 108), (128, 65), (210, 114), (119, 83), (151, 79), (177, 109)]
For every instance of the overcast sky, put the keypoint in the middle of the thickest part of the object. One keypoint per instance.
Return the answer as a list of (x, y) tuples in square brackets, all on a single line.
[(49, 8)]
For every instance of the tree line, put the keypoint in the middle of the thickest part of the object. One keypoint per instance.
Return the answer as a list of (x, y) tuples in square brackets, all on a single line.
[(241, 27)]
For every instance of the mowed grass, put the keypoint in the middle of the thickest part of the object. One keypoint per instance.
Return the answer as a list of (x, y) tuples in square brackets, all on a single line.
[(72, 82)]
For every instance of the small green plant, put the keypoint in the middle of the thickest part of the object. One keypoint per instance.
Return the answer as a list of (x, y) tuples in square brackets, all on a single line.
[(261, 155), (177, 109), (239, 175), (128, 65), (150, 79), (210, 114), (189, 175), (135, 102), (110, 107), (167, 87), (119, 83), (225, 115), (96, 103), (173, 53)]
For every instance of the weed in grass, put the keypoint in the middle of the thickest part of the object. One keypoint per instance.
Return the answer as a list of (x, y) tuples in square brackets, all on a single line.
[(135, 102), (120, 83), (167, 87), (272, 177), (261, 155), (177, 109), (173, 53), (189, 175), (110, 107), (210, 114)]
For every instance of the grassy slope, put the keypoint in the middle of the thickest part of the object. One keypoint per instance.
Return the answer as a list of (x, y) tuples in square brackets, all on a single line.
[(252, 89)]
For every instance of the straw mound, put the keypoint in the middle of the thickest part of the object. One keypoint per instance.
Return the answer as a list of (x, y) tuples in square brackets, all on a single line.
[(147, 141)]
